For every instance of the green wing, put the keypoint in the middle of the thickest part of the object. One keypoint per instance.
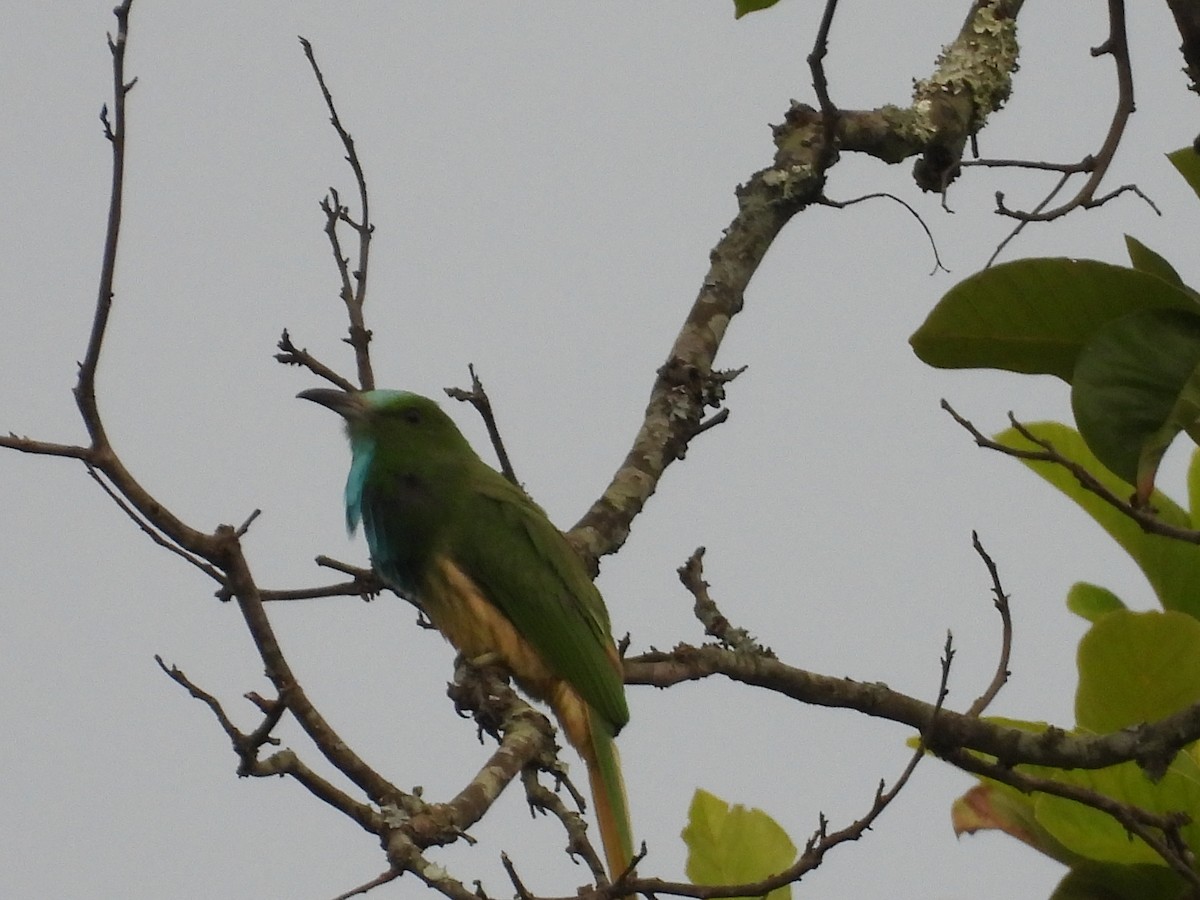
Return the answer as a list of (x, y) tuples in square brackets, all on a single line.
[(525, 566)]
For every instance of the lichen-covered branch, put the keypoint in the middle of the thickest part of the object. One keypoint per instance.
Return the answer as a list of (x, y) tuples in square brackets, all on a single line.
[(969, 83)]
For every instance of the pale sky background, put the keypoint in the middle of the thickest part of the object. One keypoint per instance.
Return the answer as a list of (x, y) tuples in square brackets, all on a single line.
[(547, 182)]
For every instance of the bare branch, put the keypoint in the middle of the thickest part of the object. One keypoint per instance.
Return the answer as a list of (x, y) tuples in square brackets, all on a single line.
[(1020, 226), (683, 388), (243, 588), (691, 574), (522, 892), (235, 736), (343, 589), (284, 762), (354, 298), (44, 448), (365, 888), (1144, 517), (526, 738), (816, 848), (1151, 745), (1135, 820), (151, 532), (545, 800), (842, 204), (1000, 599), (114, 131), (477, 396), (816, 65), (1116, 46), (291, 355)]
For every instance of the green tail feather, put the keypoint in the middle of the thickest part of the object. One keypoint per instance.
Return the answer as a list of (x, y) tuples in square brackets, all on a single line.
[(608, 796)]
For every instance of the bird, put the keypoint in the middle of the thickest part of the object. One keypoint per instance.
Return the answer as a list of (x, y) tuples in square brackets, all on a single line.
[(493, 575)]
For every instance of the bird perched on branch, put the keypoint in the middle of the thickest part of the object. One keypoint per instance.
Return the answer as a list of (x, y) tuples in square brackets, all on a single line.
[(492, 574)]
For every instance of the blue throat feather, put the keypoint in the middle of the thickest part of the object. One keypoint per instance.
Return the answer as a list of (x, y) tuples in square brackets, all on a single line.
[(362, 451), (392, 553)]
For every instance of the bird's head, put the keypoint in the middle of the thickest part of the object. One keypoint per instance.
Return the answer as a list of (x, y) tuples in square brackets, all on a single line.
[(405, 452), (405, 424)]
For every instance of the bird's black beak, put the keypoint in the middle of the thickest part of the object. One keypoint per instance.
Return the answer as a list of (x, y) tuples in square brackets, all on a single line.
[(349, 406)]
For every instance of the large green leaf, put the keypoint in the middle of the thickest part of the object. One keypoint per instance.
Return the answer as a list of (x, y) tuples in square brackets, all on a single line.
[(1080, 836), (1035, 315), (1146, 260), (1109, 881), (1136, 386), (1099, 837), (1188, 163), (1137, 667), (1172, 567), (1134, 667), (734, 845)]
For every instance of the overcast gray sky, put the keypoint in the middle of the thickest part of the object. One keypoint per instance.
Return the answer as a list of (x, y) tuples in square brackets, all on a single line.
[(547, 183)]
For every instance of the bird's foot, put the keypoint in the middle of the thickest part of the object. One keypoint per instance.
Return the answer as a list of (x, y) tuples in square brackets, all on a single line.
[(485, 660)]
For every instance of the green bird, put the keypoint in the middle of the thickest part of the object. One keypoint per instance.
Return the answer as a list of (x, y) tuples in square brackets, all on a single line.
[(492, 574)]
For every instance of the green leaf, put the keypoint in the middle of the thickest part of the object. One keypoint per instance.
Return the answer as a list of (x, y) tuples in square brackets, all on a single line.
[(1096, 835), (1036, 315), (1090, 601), (1172, 567), (1193, 483), (742, 7), (1137, 667), (1110, 881), (1135, 387), (734, 845), (1187, 163), (1146, 260), (1078, 836), (1133, 667)]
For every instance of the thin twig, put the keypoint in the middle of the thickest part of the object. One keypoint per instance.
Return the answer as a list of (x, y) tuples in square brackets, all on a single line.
[(1000, 599), (842, 204), (45, 448), (818, 846), (816, 65), (245, 526), (243, 588), (518, 885), (691, 575), (231, 731), (712, 421), (542, 799), (355, 298), (1020, 226), (114, 131), (153, 533), (291, 355), (366, 592), (1116, 46), (1135, 820), (477, 396), (1144, 518), (382, 879)]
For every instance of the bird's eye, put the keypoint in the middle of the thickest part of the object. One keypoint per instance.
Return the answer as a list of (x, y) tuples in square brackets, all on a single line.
[(411, 416)]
